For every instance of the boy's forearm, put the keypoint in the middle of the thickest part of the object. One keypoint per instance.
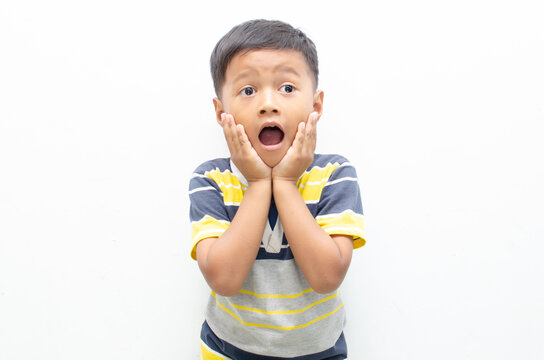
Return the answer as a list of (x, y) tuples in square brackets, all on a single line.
[(227, 260), (321, 259)]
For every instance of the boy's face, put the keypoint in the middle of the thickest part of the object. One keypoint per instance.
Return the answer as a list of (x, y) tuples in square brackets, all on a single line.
[(269, 92)]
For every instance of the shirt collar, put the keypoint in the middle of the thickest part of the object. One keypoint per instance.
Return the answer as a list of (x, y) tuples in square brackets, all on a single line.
[(238, 173)]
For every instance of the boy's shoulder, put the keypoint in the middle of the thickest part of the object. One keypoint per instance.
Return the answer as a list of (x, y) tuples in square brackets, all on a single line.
[(322, 160), (220, 164), (223, 164)]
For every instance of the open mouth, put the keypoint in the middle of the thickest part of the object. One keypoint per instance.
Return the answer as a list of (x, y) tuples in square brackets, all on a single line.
[(271, 135)]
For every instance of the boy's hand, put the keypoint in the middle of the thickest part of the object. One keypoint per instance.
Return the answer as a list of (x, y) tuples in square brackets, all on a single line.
[(242, 152), (301, 153)]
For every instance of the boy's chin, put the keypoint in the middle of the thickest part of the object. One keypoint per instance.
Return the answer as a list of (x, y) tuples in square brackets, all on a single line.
[(271, 163), (273, 158)]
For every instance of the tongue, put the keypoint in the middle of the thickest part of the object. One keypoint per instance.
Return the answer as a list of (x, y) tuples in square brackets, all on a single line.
[(271, 136)]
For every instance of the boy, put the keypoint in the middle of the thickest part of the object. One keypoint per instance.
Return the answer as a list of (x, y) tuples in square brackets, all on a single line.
[(274, 226)]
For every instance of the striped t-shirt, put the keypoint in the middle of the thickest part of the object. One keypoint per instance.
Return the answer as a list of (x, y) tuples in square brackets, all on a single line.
[(276, 313)]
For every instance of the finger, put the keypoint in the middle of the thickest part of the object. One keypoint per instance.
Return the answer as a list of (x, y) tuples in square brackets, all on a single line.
[(230, 133), (224, 126), (226, 129), (233, 132), (242, 138), (311, 131), (300, 136), (311, 124)]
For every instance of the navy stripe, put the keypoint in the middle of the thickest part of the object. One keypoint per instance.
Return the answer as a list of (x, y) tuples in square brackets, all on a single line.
[(337, 352), (272, 214), (284, 254)]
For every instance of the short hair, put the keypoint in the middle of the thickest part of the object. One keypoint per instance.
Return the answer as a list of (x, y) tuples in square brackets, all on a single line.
[(260, 34)]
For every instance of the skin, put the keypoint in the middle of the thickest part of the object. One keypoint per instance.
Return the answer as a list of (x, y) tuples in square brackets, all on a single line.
[(264, 88)]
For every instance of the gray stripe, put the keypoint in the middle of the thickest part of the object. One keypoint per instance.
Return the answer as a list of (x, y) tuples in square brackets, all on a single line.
[(277, 277)]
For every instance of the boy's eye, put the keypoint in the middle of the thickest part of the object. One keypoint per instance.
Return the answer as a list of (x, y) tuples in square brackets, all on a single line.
[(248, 91), (287, 88)]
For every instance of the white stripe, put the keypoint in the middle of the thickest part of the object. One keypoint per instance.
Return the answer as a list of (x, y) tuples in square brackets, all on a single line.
[(329, 164), (217, 169), (324, 167), (222, 183), (340, 180), (203, 234), (232, 203), (229, 185), (311, 201), (205, 175), (345, 229), (282, 246), (208, 216), (349, 211), (345, 164), (204, 188), (312, 183)]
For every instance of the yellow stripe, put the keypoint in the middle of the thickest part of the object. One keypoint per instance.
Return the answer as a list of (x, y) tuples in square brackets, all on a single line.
[(231, 187), (276, 296), (280, 312), (358, 242), (345, 223), (311, 183), (278, 327), (205, 228)]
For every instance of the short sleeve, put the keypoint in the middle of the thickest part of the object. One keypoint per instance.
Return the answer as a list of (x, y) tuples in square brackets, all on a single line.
[(208, 215), (340, 210)]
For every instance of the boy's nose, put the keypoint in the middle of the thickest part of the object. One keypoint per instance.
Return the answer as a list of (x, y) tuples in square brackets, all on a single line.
[(268, 104)]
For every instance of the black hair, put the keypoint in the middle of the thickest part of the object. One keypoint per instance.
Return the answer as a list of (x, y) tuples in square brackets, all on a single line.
[(260, 34)]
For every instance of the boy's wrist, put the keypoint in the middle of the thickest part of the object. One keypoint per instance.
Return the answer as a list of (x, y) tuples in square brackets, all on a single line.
[(260, 183), (281, 183), (279, 178), (255, 175)]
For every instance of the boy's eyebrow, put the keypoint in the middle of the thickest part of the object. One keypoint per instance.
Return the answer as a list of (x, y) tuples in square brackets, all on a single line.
[(280, 68), (243, 74), (287, 69)]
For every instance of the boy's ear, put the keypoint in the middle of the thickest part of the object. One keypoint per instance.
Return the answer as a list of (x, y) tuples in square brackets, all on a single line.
[(318, 102), (218, 105)]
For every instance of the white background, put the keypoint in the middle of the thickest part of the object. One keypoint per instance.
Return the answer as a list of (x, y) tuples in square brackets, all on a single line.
[(106, 108)]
